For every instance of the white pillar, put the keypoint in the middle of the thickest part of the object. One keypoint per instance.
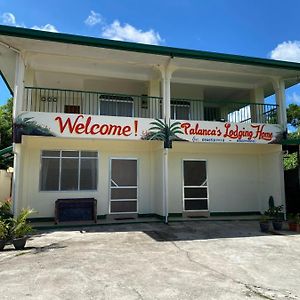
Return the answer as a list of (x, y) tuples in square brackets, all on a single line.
[(257, 97), (19, 86), (279, 88), (166, 73), (17, 108)]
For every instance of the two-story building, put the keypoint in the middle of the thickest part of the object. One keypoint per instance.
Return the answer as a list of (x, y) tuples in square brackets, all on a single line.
[(143, 129)]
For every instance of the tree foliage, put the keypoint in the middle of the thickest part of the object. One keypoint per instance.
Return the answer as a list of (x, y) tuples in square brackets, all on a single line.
[(6, 130), (293, 115), (6, 124)]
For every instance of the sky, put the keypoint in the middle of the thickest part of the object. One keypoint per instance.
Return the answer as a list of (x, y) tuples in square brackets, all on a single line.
[(259, 28)]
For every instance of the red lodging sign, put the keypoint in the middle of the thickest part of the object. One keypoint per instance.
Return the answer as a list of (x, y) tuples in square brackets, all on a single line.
[(110, 127)]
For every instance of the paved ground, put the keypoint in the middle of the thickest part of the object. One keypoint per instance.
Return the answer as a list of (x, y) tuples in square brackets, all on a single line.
[(183, 260)]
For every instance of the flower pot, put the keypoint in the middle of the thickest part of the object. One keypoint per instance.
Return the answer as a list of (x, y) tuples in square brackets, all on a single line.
[(20, 243), (264, 226), (277, 225), (293, 226), (2, 244)]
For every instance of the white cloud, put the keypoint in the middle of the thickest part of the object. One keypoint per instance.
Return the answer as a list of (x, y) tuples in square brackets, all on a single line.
[(289, 51), (93, 19), (116, 31), (47, 27), (8, 18), (293, 98)]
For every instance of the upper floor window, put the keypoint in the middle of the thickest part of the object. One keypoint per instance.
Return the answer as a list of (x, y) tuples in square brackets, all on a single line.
[(180, 110), (211, 113), (116, 105), (63, 170)]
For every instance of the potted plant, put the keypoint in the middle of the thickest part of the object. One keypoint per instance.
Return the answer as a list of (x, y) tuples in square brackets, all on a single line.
[(294, 222), (275, 212), (264, 222), (3, 234), (20, 229)]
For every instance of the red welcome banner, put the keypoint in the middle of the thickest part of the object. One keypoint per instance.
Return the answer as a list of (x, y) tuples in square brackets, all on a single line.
[(125, 128)]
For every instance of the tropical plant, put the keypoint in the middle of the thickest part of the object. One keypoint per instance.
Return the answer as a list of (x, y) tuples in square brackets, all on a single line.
[(19, 227), (264, 218), (27, 126), (164, 131), (3, 230), (5, 210)]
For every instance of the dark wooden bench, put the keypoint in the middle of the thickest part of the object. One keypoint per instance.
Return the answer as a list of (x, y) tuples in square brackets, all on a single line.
[(75, 209)]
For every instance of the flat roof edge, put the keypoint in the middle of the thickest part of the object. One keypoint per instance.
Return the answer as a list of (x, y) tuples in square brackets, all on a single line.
[(144, 48)]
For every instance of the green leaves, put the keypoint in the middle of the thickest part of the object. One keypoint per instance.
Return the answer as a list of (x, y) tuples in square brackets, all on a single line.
[(6, 128)]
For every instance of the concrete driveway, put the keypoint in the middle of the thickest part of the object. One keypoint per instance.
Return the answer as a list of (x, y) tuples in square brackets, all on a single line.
[(183, 260)]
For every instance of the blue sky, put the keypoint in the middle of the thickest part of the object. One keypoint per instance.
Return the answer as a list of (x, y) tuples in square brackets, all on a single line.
[(261, 28)]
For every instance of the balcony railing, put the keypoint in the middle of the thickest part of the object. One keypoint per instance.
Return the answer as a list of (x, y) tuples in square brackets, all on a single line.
[(92, 103), (97, 103)]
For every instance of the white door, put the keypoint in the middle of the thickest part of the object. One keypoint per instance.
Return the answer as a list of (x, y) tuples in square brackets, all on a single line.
[(195, 189), (123, 186)]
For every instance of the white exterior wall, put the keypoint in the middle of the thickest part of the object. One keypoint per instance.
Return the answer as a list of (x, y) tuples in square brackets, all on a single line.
[(43, 201), (5, 184), (240, 177)]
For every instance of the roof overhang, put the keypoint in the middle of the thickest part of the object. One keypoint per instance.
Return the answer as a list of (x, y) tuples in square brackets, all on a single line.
[(250, 71)]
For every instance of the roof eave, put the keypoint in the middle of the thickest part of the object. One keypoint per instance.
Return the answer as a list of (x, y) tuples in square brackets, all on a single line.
[(144, 48)]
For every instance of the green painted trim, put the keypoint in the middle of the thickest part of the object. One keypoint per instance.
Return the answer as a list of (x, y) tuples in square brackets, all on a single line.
[(175, 215), (6, 150), (6, 83), (37, 220), (291, 142), (143, 48), (234, 213), (101, 217), (64, 226), (147, 215)]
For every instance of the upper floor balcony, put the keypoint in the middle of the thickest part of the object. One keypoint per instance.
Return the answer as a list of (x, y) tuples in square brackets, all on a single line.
[(38, 99)]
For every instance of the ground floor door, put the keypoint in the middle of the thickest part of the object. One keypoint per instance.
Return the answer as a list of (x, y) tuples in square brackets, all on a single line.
[(123, 186), (195, 189)]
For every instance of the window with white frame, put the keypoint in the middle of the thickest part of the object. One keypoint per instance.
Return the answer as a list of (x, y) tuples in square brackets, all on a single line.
[(180, 110), (65, 170), (116, 105)]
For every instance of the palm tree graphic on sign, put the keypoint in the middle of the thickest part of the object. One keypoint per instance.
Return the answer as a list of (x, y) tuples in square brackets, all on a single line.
[(164, 131)]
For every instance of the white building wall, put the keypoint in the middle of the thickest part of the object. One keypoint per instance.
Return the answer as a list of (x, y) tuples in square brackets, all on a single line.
[(240, 177), (5, 184), (43, 202), (236, 182)]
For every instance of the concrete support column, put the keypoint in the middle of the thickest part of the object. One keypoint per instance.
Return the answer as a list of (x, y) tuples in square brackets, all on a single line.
[(279, 88), (257, 97), (17, 108), (19, 86), (166, 73)]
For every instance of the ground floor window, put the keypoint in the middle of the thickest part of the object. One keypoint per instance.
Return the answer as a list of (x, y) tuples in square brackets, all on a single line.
[(195, 190), (123, 186), (64, 170)]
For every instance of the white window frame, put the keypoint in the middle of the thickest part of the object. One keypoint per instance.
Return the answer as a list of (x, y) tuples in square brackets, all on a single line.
[(183, 186), (175, 105), (79, 165), (137, 186), (118, 101)]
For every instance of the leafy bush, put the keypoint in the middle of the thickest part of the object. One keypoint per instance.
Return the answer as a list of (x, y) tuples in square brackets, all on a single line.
[(19, 227)]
